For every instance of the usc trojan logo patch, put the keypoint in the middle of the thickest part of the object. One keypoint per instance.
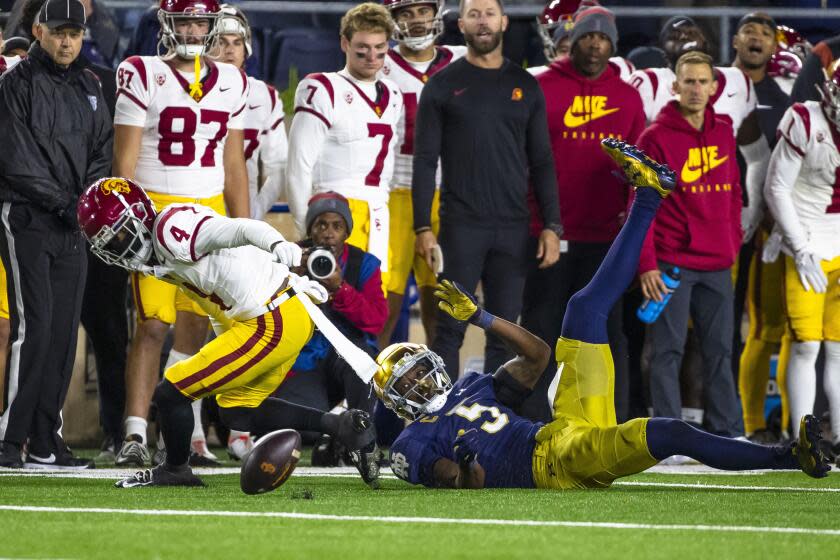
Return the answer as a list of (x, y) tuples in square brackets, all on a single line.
[(517, 94), (700, 161), (115, 186), (586, 108)]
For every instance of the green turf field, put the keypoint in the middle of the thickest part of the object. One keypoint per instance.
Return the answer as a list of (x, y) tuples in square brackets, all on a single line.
[(676, 515)]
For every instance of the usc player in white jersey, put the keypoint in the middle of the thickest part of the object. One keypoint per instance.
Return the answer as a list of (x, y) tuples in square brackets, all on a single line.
[(266, 145), (178, 130), (344, 135), (238, 271), (554, 26), (803, 194), (409, 65)]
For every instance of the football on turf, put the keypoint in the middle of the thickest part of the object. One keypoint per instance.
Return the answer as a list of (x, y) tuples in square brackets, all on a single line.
[(271, 462)]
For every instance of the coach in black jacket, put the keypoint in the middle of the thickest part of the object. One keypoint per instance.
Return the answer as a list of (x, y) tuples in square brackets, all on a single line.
[(57, 139)]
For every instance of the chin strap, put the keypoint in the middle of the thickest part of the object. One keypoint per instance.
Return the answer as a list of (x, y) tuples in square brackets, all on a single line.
[(195, 87)]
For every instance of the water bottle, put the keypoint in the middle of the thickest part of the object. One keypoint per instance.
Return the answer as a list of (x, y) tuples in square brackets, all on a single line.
[(649, 311)]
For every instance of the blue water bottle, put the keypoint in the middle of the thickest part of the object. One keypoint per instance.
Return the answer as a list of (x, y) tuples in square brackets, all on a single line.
[(649, 311)]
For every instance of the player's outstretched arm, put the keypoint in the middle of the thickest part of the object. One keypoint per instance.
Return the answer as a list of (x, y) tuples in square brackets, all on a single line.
[(532, 354)]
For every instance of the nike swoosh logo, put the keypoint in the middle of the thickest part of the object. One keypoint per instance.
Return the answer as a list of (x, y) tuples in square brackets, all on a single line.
[(574, 120), (732, 94), (459, 91), (49, 459), (690, 174), (224, 88), (254, 106)]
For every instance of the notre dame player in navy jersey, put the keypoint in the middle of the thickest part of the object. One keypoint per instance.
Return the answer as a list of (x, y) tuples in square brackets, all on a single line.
[(470, 435)]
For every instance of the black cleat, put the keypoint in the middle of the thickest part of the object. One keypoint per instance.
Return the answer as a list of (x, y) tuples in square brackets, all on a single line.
[(66, 461), (808, 450), (10, 456), (161, 476), (638, 168), (366, 460)]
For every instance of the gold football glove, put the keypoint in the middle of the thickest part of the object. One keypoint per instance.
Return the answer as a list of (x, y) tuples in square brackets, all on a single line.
[(460, 304)]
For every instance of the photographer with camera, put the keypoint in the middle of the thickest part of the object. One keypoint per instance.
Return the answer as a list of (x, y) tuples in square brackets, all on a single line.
[(320, 378)]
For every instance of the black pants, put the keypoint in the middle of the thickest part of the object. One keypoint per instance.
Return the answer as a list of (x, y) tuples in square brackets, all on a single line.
[(547, 292), (332, 381), (498, 256), (105, 320), (45, 267)]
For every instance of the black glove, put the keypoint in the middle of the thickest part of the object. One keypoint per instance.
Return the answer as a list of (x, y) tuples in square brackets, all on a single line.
[(465, 446), (68, 216), (353, 428)]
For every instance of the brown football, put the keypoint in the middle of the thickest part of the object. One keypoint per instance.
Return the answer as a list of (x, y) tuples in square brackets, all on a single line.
[(271, 462)]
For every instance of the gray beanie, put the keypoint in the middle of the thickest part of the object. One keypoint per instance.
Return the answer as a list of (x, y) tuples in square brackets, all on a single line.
[(595, 19), (325, 202)]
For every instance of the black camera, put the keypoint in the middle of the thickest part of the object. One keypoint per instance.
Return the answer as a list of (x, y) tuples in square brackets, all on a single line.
[(320, 262)]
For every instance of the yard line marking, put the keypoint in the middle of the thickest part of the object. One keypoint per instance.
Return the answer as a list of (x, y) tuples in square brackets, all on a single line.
[(431, 520), (700, 486)]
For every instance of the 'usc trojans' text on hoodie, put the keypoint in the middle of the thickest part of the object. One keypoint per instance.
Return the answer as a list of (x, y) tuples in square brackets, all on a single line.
[(698, 226), (582, 112)]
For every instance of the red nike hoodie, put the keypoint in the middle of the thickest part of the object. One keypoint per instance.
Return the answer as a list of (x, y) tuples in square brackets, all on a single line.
[(698, 226), (582, 112)]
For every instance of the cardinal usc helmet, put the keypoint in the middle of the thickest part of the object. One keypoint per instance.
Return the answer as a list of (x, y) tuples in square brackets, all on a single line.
[(790, 40), (830, 93), (556, 13), (411, 380), (187, 46), (117, 217), (232, 21), (402, 29)]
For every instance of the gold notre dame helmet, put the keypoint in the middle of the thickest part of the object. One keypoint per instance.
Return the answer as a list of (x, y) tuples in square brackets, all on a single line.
[(430, 383)]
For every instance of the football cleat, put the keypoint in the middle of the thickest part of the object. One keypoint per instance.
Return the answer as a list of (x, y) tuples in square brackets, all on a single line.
[(239, 446), (64, 461), (107, 453), (133, 453), (161, 476), (200, 456), (366, 461), (10, 456), (640, 170), (808, 451)]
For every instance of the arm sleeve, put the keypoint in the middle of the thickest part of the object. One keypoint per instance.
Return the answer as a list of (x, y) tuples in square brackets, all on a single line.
[(413, 460), (367, 308), (23, 167), (647, 258), (757, 158), (785, 164), (188, 232), (313, 118), (541, 161), (133, 95), (427, 146)]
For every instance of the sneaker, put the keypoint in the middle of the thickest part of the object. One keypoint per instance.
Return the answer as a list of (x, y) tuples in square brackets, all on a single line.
[(65, 461), (107, 453), (808, 449), (238, 447), (200, 456), (763, 437), (133, 453), (161, 476), (640, 170), (10, 455)]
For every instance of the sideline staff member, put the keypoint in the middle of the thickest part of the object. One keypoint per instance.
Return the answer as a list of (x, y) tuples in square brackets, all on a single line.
[(485, 118), (58, 132)]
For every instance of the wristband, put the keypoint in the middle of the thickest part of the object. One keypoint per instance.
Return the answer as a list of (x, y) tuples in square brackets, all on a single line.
[(482, 319), (423, 229)]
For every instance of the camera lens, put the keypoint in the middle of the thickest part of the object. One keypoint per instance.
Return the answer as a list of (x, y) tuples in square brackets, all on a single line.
[(320, 263)]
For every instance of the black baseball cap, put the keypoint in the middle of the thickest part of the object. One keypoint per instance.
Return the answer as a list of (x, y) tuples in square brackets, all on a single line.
[(58, 13)]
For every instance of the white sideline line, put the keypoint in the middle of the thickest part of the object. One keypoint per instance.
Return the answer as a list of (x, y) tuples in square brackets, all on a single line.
[(700, 486), (430, 520)]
